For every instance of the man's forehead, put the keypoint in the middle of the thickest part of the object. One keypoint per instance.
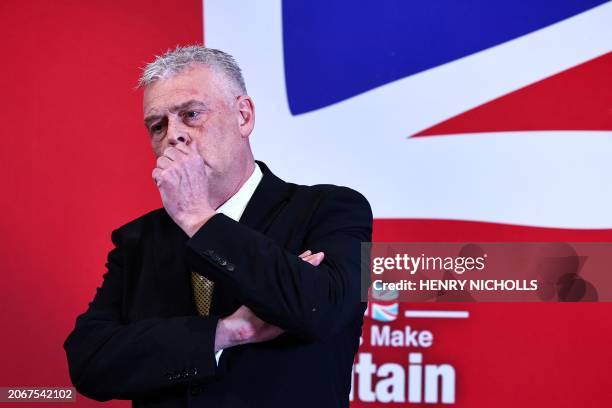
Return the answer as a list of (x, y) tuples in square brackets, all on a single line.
[(172, 97), (196, 82)]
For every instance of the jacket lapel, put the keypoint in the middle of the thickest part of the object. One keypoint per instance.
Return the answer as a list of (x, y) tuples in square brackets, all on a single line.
[(267, 201)]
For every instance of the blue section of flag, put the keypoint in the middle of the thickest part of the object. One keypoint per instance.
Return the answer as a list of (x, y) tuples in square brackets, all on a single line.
[(336, 49)]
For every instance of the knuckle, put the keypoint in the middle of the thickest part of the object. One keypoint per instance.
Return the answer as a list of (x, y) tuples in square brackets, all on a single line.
[(246, 333)]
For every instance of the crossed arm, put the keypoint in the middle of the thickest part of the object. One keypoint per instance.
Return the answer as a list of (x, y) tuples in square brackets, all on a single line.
[(243, 326), (109, 358)]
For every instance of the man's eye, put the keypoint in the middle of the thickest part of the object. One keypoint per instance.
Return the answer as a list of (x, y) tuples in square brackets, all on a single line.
[(156, 128), (191, 114)]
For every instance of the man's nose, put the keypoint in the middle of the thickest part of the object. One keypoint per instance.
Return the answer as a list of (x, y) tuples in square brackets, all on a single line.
[(177, 133)]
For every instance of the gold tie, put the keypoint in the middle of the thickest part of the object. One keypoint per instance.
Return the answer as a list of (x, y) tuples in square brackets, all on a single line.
[(202, 293)]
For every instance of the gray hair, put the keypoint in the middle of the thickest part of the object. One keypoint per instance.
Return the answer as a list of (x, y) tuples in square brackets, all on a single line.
[(175, 61)]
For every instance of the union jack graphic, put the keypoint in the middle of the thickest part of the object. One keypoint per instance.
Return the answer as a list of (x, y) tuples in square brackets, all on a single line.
[(492, 113), (382, 312)]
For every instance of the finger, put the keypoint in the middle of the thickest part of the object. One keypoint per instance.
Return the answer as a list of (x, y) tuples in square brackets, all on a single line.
[(305, 253), (243, 310), (157, 176), (163, 162), (183, 147), (268, 331), (310, 255), (173, 153), (315, 259)]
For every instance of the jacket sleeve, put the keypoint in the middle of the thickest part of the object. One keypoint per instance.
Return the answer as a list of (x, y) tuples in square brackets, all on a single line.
[(307, 301), (111, 359)]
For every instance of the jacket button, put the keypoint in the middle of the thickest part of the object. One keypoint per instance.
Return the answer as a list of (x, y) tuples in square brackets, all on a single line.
[(223, 262), (216, 258), (230, 267)]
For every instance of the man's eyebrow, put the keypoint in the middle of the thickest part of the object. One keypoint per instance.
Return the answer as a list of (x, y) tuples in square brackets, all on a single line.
[(190, 103), (150, 119)]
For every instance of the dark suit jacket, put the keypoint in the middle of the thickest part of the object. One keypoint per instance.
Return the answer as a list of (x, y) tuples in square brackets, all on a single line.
[(141, 337)]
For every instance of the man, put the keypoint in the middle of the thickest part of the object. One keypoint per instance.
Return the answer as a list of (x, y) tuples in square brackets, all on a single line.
[(284, 326)]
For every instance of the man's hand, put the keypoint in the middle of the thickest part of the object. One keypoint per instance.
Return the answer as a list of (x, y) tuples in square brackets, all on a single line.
[(313, 259), (243, 326), (180, 176)]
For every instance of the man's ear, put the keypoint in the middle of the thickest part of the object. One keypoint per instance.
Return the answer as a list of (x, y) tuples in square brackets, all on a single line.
[(246, 108)]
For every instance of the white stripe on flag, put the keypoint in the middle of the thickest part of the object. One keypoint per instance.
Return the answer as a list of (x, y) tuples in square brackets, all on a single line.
[(438, 314)]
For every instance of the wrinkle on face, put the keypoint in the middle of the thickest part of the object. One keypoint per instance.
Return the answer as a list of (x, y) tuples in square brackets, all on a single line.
[(217, 137)]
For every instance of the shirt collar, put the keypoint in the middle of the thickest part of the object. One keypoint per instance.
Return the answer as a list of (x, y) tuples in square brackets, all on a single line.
[(234, 207)]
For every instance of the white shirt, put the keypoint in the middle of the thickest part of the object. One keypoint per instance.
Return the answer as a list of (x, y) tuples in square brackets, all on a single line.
[(235, 206)]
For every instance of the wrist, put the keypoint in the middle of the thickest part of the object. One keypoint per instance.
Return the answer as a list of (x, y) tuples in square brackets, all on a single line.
[(222, 336), (192, 224), (230, 333), (233, 332)]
